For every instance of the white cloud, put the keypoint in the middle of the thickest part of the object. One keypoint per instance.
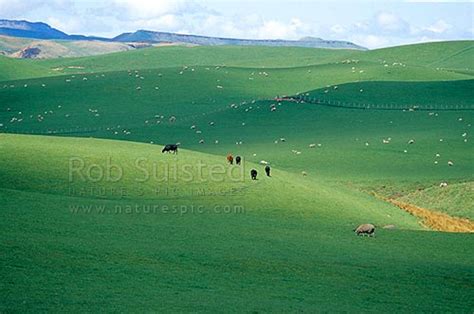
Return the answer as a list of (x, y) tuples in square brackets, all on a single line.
[(389, 22), (338, 29), (439, 27)]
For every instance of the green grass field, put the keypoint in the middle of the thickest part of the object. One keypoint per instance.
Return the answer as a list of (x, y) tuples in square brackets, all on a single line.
[(210, 238)]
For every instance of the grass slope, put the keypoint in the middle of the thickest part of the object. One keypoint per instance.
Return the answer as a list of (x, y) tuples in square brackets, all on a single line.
[(453, 56), (291, 248)]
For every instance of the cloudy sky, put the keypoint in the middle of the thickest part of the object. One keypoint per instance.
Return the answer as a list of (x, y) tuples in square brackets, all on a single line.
[(372, 24)]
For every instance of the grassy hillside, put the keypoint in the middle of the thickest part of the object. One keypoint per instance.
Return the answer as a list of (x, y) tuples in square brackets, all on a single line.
[(78, 241), (442, 57), (398, 95), (277, 253), (447, 54), (14, 69)]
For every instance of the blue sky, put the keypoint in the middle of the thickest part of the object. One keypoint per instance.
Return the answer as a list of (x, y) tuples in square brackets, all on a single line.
[(372, 24)]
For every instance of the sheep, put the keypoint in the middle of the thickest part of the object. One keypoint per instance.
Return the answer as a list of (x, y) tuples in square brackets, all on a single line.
[(263, 162), (385, 141), (304, 173), (172, 119), (411, 141), (211, 123), (138, 88), (201, 142), (193, 127), (364, 229), (312, 145), (282, 139), (443, 184), (450, 163)]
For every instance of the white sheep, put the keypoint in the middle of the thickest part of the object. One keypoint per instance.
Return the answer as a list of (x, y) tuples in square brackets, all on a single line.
[(450, 163), (443, 184), (312, 145)]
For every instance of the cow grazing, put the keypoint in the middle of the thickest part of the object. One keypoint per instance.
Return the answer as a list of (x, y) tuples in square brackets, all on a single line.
[(364, 229), (253, 174), (238, 159), (170, 148), (267, 170)]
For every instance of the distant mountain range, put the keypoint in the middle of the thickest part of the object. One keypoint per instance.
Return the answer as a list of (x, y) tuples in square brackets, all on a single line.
[(40, 30), (158, 37), (23, 39)]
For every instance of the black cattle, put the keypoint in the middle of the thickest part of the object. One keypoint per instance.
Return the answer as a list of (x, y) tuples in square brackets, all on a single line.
[(237, 160), (267, 170), (170, 148), (253, 174)]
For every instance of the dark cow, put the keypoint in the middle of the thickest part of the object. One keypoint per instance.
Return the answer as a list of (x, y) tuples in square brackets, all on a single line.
[(170, 148), (267, 170), (253, 174), (238, 160)]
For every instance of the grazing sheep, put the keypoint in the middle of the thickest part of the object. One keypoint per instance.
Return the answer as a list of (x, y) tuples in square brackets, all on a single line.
[(450, 163), (411, 141), (304, 173), (201, 142), (364, 229), (312, 145), (263, 162), (443, 184)]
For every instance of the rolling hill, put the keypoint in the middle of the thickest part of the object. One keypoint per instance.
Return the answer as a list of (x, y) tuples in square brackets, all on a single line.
[(293, 223), (390, 124)]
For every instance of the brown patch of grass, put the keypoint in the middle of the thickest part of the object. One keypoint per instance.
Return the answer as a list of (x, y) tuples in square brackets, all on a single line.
[(436, 220)]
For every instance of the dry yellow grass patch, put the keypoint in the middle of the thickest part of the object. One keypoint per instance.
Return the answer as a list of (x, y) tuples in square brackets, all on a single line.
[(436, 220)]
